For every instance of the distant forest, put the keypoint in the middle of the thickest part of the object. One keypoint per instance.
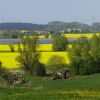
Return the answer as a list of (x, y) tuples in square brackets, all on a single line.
[(51, 26)]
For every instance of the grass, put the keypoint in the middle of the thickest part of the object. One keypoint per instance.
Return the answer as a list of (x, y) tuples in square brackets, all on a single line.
[(75, 88)]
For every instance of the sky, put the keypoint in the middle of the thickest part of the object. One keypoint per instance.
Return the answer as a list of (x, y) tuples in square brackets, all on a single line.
[(43, 11)]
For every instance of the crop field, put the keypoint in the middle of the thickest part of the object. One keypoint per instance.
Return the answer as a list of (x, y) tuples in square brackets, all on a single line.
[(78, 35), (40, 36), (70, 36), (8, 59), (37, 88), (42, 47)]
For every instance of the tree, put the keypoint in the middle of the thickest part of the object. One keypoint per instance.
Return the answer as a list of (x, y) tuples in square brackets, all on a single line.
[(75, 58), (59, 43), (85, 56), (87, 60), (29, 56), (95, 52)]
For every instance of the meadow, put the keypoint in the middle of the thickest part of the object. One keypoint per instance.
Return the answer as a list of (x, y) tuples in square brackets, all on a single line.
[(74, 88)]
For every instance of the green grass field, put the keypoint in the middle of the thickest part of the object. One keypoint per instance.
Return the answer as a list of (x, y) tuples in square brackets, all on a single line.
[(75, 88)]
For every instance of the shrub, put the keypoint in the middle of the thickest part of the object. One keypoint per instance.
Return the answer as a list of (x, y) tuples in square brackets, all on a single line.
[(56, 63), (39, 69)]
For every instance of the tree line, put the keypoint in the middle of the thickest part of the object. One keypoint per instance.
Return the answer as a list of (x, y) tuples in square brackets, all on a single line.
[(51, 26)]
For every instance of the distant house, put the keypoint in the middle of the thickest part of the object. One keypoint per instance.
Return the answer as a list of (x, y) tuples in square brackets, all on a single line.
[(42, 32), (62, 31)]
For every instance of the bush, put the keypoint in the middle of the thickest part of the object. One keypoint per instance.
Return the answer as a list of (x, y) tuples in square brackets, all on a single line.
[(56, 63), (39, 69)]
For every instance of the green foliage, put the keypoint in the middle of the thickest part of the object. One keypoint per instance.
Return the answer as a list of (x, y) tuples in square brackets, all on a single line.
[(95, 52), (85, 56), (39, 69), (2, 70), (12, 34), (58, 25), (46, 35), (56, 63), (29, 57), (75, 58), (59, 43)]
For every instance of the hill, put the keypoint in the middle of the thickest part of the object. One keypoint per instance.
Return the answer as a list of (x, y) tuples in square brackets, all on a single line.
[(51, 26), (21, 26)]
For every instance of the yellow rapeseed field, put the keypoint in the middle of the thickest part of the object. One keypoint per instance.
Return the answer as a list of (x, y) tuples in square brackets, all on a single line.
[(8, 59), (42, 47), (78, 35), (40, 36), (70, 36)]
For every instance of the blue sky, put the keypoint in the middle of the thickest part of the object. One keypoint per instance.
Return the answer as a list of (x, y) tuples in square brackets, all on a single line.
[(43, 11)]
